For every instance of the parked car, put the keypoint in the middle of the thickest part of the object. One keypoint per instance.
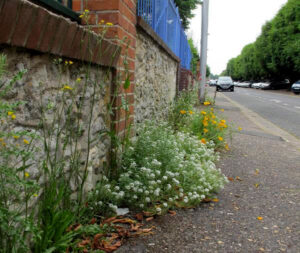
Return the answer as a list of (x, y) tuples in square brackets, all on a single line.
[(245, 84), (225, 83), (256, 85), (265, 86), (212, 82), (296, 87), (283, 84)]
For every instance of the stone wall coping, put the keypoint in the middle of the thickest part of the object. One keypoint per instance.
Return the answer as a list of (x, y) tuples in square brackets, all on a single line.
[(148, 29), (31, 26)]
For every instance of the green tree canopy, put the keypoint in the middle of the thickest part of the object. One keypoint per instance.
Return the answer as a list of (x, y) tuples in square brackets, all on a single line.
[(195, 56), (185, 10), (275, 55)]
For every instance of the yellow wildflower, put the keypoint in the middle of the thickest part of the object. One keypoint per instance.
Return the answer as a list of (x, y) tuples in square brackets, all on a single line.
[(259, 218), (26, 174), (10, 113), (87, 11), (205, 123), (222, 110), (66, 62), (214, 122), (212, 109), (66, 87), (16, 137), (203, 112), (213, 116), (220, 138), (223, 121), (206, 118), (102, 21), (78, 79), (26, 141), (13, 116), (81, 16), (35, 195), (109, 24), (226, 146), (203, 141), (183, 112), (70, 62), (1, 139), (240, 129), (206, 103), (205, 130), (191, 112)]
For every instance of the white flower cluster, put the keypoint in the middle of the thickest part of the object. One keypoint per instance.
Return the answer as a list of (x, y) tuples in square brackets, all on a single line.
[(162, 168)]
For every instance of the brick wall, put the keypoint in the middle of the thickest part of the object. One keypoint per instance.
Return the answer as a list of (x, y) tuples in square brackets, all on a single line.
[(186, 80), (122, 14), (25, 24)]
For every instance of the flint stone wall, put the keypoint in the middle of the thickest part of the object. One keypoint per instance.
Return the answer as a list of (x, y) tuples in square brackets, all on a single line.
[(156, 78), (42, 85)]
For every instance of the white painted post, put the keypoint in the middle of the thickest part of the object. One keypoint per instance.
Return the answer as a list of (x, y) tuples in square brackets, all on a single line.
[(203, 56)]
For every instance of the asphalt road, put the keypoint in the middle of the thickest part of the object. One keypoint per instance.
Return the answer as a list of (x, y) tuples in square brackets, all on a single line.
[(280, 109)]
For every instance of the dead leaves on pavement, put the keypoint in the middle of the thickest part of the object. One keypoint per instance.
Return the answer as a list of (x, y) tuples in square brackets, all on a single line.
[(121, 228)]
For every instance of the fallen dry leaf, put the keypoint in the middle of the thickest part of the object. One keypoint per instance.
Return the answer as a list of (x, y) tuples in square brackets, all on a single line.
[(215, 200), (93, 221), (147, 214), (173, 213), (83, 243), (109, 219), (230, 179), (150, 218), (136, 227), (238, 178), (77, 227), (139, 216), (125, 220)]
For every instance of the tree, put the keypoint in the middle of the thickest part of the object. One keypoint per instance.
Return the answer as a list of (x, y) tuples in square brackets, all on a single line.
[(195, 56), (275, 55), (185, 10)]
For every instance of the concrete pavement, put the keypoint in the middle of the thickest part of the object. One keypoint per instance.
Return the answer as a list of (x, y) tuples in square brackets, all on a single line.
[(258, 211)]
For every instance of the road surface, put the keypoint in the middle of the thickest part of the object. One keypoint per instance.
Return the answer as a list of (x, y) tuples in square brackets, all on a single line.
[(280, 109)]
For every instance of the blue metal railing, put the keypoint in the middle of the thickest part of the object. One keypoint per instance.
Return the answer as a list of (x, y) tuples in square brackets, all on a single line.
[(163, 16)]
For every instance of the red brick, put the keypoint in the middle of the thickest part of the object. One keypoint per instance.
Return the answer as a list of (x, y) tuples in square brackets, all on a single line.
[(123, 124), (59, 36), (129, 99), (112, 17), (121, 113), (76, 5), (100, 5), (8, 19), (27, 17), (92, 20), (48, 36), (38, 29), (131, 4), (76, 45), (129, 13), (66, 48), (128, 90)]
